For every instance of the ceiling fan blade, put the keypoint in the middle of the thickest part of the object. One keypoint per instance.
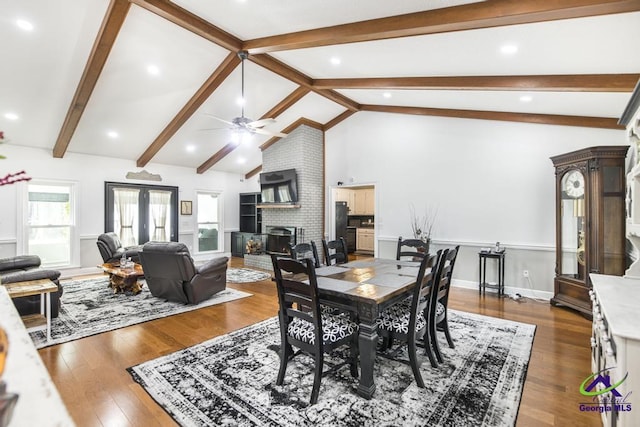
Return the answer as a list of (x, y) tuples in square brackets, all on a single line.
[(219, 119), (266, 132), (261, 123)]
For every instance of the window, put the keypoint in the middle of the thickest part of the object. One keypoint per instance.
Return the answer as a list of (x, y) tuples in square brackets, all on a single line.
[(50, 223), (140, 213), (208, 214)]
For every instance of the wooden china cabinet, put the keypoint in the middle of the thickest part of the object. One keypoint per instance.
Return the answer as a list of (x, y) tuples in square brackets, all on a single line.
[(590, 221)]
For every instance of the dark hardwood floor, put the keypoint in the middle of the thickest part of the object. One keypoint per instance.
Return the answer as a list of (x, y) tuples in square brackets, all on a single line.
[(92, 379)]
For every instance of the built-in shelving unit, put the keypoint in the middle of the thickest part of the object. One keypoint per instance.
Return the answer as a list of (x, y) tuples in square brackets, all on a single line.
[(250, 223), (250, 213)]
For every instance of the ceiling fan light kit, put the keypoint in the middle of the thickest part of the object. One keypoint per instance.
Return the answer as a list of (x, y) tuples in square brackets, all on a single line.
[(243, 125)]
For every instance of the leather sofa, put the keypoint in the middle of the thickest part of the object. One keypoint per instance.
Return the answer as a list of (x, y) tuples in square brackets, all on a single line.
[(111, 249), (27, 267), (171, 274)]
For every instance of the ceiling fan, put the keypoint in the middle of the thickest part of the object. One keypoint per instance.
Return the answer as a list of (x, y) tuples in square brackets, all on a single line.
[(243, 125)]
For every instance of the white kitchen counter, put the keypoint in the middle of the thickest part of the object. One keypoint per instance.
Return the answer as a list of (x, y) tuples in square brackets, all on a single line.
[(620, 302), (39, 403)]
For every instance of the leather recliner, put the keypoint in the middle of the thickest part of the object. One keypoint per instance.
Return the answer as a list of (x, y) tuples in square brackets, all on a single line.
[(171, 274), (111, 249), (27, 267)]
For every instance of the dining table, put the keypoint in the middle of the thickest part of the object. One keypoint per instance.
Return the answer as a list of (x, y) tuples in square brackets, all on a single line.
[(366, 288)]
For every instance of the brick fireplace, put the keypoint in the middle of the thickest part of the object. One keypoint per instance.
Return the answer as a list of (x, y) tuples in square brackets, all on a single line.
[(302, 150)]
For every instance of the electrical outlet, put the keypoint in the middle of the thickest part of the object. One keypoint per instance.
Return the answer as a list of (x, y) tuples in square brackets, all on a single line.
[(525, 273)]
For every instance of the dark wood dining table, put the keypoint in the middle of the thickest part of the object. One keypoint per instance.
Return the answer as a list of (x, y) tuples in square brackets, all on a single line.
[(367, 287)]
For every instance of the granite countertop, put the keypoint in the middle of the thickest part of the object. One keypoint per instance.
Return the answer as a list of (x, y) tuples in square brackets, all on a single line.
[(620, 303)]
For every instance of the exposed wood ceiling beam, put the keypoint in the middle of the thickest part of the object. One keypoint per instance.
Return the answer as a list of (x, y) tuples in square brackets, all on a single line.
[(479, 15), (111, 25), (287, 102), (548, 119), (552, 83), (301, 121), (212, 83), (197, 25), (185, 19), (219, 155), (283, 70), (331, 123), (253, 172)]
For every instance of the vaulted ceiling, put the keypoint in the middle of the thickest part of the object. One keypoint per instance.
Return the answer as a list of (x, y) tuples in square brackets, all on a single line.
[(140, 79)]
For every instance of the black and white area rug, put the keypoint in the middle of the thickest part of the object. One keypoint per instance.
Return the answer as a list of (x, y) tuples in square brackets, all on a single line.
[(90, 307), (246, 275), (230, 380)]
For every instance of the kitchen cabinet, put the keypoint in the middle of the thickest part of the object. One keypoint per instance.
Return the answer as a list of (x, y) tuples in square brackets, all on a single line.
[(346, 195), (364, 202), (365, 239), (360, 201)]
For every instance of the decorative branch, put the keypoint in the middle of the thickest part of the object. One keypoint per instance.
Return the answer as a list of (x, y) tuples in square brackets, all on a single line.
[(12, 178), (422, 225)]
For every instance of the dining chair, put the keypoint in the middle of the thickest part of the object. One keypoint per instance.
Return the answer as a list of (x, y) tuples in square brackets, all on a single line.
[(305, 250), (310, 330), (335, 250), (407, 321), (419, 248), (440, 302)]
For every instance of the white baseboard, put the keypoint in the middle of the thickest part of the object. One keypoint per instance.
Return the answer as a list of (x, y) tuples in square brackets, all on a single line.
[(508, 290)]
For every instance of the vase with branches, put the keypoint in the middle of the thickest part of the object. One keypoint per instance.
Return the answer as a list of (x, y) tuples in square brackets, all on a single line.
[(422, 224)]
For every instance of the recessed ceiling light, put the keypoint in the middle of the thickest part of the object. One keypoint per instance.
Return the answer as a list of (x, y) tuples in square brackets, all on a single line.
[(242, 160), (112, 134), (24, 25), (240, 101), (153, 70), (526, 98), (11, 116), (190, 148), (335, 60), (387, 95), (509, 49)]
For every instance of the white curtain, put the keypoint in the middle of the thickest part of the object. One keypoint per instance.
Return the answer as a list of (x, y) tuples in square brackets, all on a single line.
[(127, 208), (283, 193), (159, 202)]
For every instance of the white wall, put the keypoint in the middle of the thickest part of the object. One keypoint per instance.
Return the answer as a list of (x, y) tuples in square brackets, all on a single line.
[(489, 181), (90, 172)]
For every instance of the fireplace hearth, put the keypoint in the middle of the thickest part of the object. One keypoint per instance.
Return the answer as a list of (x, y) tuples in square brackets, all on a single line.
[(279, 237)]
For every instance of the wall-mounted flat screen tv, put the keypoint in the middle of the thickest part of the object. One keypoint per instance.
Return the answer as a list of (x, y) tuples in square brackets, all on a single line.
[(279, 186)]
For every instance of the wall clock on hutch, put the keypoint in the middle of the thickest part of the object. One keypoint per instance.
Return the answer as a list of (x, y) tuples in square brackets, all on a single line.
[(590, 221)]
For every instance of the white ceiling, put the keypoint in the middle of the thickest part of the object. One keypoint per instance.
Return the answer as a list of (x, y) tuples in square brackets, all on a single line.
[(41, 70)]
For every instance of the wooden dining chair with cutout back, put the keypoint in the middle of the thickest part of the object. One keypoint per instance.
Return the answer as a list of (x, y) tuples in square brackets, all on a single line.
[(408, 321), (335, 251), (440, 300), (305, 250), (309, 329), (414, 248)]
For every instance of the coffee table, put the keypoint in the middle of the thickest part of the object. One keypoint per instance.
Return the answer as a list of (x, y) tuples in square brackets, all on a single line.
[(123, 279)]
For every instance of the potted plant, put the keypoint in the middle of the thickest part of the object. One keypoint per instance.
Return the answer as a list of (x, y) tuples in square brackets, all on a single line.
[(422, 225)]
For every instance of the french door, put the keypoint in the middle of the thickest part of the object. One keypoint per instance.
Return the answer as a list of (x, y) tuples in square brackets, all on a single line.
[(139, 213)]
